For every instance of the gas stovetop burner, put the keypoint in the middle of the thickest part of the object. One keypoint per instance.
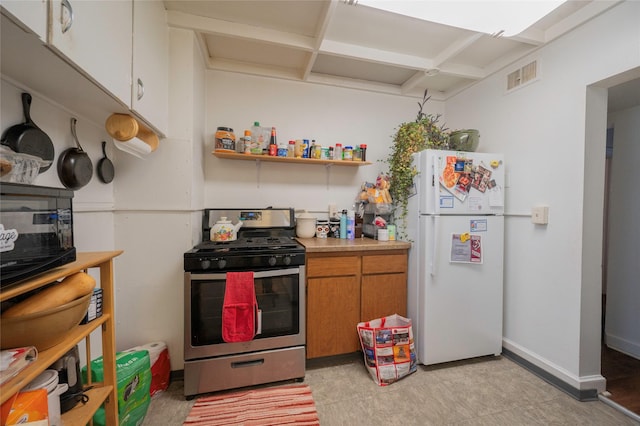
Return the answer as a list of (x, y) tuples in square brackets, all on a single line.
[(264, 241), (251, 243)]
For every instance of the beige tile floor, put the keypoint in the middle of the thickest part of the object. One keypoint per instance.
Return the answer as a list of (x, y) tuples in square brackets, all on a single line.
[(487, 391)]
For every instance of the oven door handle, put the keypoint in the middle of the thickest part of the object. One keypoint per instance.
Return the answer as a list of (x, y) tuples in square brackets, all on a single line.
[(258, 329), (276, 272)]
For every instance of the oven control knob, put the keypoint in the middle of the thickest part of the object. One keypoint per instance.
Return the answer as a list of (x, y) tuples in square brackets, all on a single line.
[(287, 260), (272, 261), (205, 264), (222, 263)]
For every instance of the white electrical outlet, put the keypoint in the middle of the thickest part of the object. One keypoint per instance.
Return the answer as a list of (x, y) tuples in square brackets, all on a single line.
[(540, 215)]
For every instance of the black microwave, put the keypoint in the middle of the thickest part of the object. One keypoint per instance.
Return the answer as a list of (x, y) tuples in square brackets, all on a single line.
[(36, 230)]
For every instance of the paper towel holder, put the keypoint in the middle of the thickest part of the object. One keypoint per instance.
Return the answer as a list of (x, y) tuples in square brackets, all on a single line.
[(128, 132)]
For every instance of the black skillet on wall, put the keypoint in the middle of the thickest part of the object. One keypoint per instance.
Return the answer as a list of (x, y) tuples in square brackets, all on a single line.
[(105, 166), (74, 165), (27, 138)]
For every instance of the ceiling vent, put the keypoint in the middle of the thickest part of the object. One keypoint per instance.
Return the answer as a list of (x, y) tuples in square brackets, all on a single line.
[(522, 76)]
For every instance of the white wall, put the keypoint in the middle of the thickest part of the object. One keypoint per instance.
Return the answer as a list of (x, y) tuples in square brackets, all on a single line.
[(156, 219), (623, 291), (542, 129), (298, 111)]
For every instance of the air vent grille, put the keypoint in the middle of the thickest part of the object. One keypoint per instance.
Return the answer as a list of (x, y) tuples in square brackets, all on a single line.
[(522, 75)]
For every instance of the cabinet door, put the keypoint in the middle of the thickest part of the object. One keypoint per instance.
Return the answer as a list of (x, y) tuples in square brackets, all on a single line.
[(333, 312), (30, 15), (150, 88), (96, 36), (383, 295)]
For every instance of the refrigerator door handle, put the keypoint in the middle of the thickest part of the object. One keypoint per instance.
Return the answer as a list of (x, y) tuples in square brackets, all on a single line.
[(434, 249)]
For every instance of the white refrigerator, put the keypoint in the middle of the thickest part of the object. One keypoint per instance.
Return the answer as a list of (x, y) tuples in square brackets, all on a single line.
[(456, 224)]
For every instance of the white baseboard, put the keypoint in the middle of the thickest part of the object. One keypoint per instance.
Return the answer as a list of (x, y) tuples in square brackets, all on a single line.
[(581, 383), (623, 345)]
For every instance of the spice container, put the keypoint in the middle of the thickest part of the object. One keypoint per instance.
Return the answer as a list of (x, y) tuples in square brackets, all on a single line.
[(347, 153), (225, 139), (324, 153), (357, 156), (363, 152), (291, 149)]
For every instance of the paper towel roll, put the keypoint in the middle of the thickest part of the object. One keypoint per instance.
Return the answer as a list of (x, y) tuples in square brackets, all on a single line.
[(134, 146)]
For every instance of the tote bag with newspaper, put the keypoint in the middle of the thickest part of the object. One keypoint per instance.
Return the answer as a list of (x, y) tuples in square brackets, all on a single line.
[(388, 348)]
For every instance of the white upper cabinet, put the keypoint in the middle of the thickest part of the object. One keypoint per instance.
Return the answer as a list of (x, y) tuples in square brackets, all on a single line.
[(30, 15), (150, 88), (96, 37)]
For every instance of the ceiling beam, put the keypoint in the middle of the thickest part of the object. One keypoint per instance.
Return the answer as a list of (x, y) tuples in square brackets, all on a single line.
[(325, 19), (369, 54), (579, 17), (455, 48), (237, 30)]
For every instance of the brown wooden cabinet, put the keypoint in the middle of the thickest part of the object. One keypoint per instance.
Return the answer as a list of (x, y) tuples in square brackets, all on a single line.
[(101, 392), (345, 289)]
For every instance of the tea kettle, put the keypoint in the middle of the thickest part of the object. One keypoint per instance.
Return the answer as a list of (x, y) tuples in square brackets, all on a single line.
[(224, 230)]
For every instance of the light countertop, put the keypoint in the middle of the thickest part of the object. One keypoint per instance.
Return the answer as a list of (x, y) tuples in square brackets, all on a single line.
[(325, 245)]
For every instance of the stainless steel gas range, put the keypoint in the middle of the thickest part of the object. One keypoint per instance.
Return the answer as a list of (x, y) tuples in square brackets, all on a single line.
[(265, 245)]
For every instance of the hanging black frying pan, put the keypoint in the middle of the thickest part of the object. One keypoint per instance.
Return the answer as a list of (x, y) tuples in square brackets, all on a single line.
[(105, 166), (74, 165), (27, 138)]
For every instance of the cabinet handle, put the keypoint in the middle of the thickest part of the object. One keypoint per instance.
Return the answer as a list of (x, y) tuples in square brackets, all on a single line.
[(140, 89), (65, 6)]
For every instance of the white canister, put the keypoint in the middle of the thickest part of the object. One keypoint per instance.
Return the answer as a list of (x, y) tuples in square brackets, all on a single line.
[(383, 235), (305, 225), (48, 380)]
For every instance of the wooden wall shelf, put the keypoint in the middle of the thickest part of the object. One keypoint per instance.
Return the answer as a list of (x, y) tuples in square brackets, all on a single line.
[(251, 157)]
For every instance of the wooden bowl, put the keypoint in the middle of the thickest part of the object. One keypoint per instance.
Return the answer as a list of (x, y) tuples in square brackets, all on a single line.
[(43, 329)]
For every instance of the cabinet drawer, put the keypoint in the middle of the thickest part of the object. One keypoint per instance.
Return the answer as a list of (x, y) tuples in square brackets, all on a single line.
[(333, 266), (385, 263)]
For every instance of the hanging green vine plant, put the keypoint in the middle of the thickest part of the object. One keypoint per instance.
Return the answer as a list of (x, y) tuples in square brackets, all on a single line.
[(411, 137)]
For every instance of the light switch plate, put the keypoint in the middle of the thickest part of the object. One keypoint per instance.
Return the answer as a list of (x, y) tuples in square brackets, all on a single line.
[(540, 215), (332, 210)]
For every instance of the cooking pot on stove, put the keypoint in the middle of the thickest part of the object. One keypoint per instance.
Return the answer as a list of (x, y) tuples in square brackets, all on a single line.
[(306, 225), (224, 230)]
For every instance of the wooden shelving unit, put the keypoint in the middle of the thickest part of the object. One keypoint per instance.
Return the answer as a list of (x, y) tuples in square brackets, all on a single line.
[(251, 157), (101, 392)]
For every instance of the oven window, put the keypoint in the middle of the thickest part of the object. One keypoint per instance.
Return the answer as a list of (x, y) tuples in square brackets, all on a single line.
[(278, 298)]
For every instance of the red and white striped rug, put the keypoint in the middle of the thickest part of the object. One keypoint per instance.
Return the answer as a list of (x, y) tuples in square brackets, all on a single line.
[(283, 405)]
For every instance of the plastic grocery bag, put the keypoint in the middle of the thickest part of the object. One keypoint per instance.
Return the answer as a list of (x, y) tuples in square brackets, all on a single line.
[(388, 348), (133, 371)]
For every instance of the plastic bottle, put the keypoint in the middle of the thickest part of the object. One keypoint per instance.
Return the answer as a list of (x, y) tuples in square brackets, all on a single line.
[(273, 143), (291, 149), (351, 225), (258, 142), (337, 152), (343, 225), (247, 141)]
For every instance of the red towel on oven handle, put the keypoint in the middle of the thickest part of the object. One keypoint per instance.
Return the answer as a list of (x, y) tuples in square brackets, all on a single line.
[(240, 308)]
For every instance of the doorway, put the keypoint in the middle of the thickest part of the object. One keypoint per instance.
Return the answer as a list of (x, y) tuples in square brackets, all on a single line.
[(620, 369)]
